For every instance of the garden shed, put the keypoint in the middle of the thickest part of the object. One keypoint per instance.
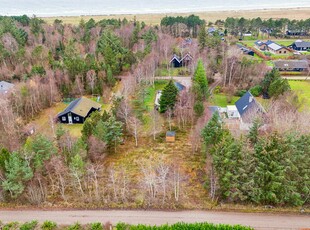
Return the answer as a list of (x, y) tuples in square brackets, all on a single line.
[(170, 136)]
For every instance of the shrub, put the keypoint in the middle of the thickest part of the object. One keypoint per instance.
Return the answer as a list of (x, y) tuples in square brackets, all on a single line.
[(240, 93), (256, 90), (49, 225), (29, 225), (10, 226), (76, 226), (96, 226)]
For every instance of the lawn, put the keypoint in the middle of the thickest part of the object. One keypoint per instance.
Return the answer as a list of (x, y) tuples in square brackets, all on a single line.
[(151, 93), (164, 72), (303, 90), (222, 100)]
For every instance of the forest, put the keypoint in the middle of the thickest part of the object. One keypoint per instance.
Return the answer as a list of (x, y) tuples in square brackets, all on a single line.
[(120, 158)]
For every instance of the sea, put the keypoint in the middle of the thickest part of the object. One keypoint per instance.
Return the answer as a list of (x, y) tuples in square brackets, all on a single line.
[(46, 8)]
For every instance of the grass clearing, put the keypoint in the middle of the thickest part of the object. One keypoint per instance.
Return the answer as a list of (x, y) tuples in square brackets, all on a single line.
[(222, 100), (180, 153), (302, 88), (151, 93), (164, 72)]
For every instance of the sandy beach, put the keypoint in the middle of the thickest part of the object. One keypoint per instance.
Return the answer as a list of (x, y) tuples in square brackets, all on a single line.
[(153, 19)]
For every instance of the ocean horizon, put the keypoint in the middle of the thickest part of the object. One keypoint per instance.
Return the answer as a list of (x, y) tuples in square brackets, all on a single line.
[(49, 8)]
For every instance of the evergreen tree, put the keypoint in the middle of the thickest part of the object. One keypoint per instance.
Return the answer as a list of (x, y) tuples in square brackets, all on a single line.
[(200, 82), (110, 131), (202, 37), (168, 97), (42, 148), (110, 78), (17, 173), (213, 132), (253, 133)]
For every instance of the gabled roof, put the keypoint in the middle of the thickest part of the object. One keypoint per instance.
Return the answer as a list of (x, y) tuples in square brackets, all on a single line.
[(274, 46), (81, 107), (247, 106), (302, 44), (5, 86), (175, 57), (268, 42), (187, 57), (259, 43), (291, 64)]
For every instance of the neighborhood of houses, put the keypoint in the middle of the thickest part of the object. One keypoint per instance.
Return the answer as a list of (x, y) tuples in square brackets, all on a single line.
[(242, 113)]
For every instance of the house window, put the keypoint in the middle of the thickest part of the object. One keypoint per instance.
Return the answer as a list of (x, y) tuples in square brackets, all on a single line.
[(285, 52), (77, 118), (63, 118), (280, 51)]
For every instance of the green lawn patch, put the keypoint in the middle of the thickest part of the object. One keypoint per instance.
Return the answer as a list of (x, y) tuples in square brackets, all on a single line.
[(151, 93), (222, 100), (164, 72), (302, 88)]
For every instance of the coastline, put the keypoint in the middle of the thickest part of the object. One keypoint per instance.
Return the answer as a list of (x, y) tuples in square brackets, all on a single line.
[(154, 18)]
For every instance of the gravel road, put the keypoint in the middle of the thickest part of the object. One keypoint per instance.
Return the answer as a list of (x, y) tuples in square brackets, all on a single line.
[(257, 220)]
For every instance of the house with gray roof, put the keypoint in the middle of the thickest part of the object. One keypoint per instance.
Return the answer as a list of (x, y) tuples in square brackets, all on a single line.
[(78, 110), (249, 109), (291, 65), (300, 45), (5, 87), (272, 47)]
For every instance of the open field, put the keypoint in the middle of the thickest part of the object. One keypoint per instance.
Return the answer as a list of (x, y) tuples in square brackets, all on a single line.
[(153, 19), (303, 90)]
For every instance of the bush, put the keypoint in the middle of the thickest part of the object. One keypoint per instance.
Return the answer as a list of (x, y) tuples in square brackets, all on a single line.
[(122, 226), (49, 225), (76, 226), (256, 90), (29, 225), (10, 226), (240, 93), (96, 226)]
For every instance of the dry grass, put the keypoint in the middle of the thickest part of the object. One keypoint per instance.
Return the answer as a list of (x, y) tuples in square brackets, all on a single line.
[(153, 19), (193, 194)]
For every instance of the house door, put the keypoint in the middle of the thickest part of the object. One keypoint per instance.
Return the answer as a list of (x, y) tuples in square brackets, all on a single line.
[(70, 118)]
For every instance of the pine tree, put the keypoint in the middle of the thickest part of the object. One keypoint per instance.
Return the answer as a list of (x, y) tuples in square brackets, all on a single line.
[(168, 97), (213, 132), (110, 131), (200, 82), (17, 173), (202, 36)]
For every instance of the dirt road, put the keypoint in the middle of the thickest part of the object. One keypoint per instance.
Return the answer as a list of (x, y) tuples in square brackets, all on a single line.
[(257, 220)]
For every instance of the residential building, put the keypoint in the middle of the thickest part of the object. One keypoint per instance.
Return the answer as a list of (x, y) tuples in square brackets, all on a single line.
[(249, 109), (291, 65), (300, 45), (272, 47), (78, 110)]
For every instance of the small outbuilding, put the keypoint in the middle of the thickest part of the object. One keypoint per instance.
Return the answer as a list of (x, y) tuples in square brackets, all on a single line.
[(78, 110), (170, 136)]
